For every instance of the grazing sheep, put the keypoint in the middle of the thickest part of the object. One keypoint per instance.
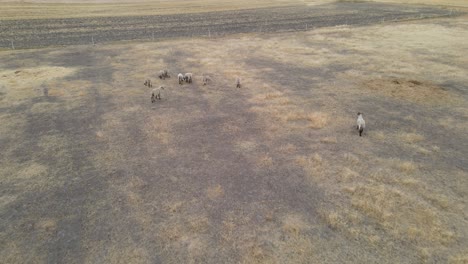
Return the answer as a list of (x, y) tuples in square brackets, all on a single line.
[(44, 90), (188, 77), (180, 77), (361, 124), (156, 94), (163, 74), (238, 82), (205, 79), (148, 83)]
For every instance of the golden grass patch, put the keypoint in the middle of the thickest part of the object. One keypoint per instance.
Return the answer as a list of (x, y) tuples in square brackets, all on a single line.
[(461, 258), (334, 219), (351, 158), (294, 224), (14, 252), (400, 214), (264, 160), (287, 148), (215, 192), (246, 145), (230, 127), (126, 252), (379, 135), (423, 92), (32, 171), (348, 174), (315, 119), (411, 138), (271, 96), (329, 140), (407, 166), (313, 165), (47, 227), (26, 83), (11, 123), (198, 224), (5, 199)]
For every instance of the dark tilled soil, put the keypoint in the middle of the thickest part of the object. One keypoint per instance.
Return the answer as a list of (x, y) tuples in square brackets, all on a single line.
[(57, 32)]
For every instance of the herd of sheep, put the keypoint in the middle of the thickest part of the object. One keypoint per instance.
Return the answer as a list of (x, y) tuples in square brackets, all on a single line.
[(187, 77), (163, 74)]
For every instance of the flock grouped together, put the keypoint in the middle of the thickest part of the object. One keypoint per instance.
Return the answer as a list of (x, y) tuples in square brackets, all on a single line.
[(187, 78), (163, 74)]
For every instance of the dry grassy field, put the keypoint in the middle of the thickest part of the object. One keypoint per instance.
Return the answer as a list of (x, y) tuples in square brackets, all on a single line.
[(45, 32), (272, 172)]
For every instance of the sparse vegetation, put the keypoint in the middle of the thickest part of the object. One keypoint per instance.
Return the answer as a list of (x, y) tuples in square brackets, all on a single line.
[(273, 172)]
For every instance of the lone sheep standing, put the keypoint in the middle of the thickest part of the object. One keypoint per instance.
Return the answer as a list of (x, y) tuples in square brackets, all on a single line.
[(180, 77), (205, 79), (238, 83), (163, 74), (156, 94), (188, 77), (148, 83), (361, 124)]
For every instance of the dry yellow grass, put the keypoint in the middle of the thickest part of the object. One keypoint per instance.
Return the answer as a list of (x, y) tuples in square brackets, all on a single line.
[(329, 140), (452, 3), (380, 201), (246, 146), (265, 160), (407, 166), (412, 90), (61, 9), (351, 158), (334, 220), (401, 214), (215, 192), (411, 137), (349, 174), (313, 165), (26, 83), (294, 225), (459, 259), (316, 119), (287, 149)]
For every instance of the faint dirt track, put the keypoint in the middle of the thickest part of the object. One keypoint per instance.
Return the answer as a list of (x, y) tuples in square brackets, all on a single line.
[(35, 33)]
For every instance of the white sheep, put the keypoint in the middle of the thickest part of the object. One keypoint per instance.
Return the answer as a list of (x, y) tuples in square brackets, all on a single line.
[(238, 82), (188, 77), (156, 94), (361, 124), (148, 83), (163, 74), (44, 90), (205, 79), (180, 76)]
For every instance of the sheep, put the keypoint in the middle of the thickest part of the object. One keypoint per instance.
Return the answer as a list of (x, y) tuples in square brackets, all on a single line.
[(180, 77), (205, 79), (238, 82), (188, 77), (148, 83), (163, 74), (156, 94), (44, 90), (361, 124)]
